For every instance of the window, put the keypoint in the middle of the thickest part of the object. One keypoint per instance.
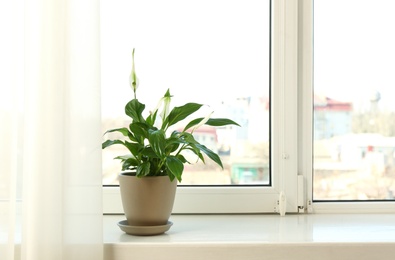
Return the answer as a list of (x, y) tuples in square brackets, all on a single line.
[(222, 49), (354, 112), (203, 53), (312, 100)]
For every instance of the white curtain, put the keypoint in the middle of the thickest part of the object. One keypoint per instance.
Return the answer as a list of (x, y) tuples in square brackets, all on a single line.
[(50, 135)]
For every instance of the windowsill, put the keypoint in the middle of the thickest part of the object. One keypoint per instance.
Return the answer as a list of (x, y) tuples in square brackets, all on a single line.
[(313, 236)]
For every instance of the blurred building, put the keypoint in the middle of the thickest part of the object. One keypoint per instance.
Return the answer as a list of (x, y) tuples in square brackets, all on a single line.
[(252, 114), (331, 117)]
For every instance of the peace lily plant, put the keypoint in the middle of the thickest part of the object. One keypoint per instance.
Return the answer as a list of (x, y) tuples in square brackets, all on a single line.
[(154, 151)]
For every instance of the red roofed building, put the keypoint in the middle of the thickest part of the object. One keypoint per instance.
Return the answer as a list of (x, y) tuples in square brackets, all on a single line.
[(331, 117)]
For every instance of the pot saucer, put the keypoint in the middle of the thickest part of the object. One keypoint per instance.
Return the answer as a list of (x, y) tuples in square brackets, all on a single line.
[(143, 230)]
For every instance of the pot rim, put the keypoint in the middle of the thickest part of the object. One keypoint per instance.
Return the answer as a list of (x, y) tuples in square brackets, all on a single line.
[(133, 174)]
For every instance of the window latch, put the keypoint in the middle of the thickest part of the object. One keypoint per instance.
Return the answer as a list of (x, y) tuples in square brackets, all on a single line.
[(282, 204)]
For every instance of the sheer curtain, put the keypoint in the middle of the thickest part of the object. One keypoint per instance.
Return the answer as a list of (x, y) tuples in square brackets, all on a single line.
[(50, 150)]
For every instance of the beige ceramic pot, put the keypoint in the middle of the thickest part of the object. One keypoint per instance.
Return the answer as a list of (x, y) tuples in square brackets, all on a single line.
[(147, 201)]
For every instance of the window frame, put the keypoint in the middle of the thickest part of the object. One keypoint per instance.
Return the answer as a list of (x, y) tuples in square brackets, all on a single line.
[(306, 74), (255, 199), (291, 134)]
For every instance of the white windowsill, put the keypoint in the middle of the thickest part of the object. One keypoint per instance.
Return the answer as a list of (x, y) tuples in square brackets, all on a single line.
[(313, 236)]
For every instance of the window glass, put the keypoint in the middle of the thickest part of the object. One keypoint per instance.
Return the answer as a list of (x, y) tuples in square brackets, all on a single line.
[(214, 52), (354, 108)]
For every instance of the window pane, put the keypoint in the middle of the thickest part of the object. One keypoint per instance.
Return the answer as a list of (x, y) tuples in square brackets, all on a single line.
[(354, 108), (214, 52)]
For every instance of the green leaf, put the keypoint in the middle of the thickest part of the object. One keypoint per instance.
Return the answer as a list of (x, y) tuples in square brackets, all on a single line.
[(124, 131), (180, 113), (151, 118), (213, 156), (140, 131), (175, 134), (135, 109), (157, 141), (196, 151), (173, 142), (172, 146), (111, 142), (193, 123), (189, 138), (182, 158), (175, 166), (125, 157), (171, 177), (149, 152), (221, 122), (211, 122), (143, 169), (134, 148), (129, 164)]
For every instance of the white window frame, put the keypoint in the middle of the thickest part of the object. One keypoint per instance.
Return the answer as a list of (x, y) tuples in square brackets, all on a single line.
[(291, 134), (283, 138), (306, 125)]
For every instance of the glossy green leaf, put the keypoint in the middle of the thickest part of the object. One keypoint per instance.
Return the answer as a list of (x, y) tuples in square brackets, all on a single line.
[(196, 151), (175, 166), (129, 164), (172, 147), (180, 113), (135, 109), (157, 141), (124, 131), (182, 158), (171, 176), (189, 138), (173, 142), (193, 123), (134, 148), (213, 156), (220, 122), (143, 169), (149, 152), (124, 157), (152, 118), (108, 143), (140, 131), (211, 122)]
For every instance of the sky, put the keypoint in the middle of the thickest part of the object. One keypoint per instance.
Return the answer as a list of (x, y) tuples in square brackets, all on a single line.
[(216, 50), (354, 54), (205, 51), (209, 51)]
